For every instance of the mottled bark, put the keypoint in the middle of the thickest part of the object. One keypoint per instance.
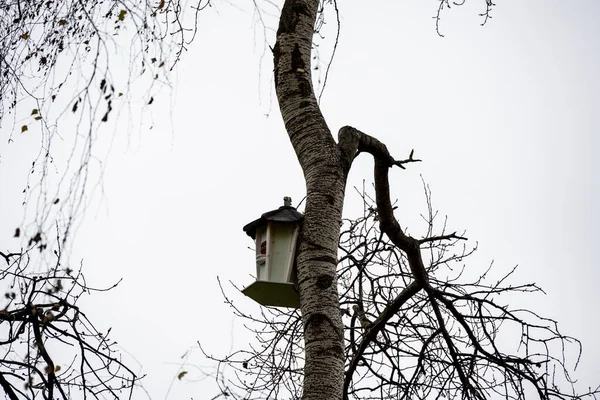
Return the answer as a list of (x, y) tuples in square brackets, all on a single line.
[(325, 165), (325, 173)]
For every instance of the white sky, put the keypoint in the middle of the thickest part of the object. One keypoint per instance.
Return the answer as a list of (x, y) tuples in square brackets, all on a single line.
[(503, 116)]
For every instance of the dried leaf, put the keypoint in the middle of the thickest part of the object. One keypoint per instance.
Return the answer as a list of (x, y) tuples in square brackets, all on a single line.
[(62, 22), (57, 368), (34, 111), (38, 118), (36, 239), (25, 36), (153, 60), (122, 14), (161, 64), (24, 128), (161, 4), (181, 374)]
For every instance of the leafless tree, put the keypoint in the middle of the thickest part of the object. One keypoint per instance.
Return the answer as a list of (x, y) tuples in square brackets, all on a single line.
[(453, 338), (49, 349), (62, 79), (59, 81)]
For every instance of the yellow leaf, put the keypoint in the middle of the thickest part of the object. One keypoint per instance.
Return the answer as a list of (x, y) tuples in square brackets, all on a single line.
[(181, 374), (25, 36), (122, 14), (34, 111), (24, 128), (62, 22), (57, 368)]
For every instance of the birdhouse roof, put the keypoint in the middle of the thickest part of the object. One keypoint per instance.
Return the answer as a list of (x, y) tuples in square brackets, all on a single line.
[(284, 214)]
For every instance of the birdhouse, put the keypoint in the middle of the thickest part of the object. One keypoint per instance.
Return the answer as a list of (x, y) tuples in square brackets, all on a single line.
[(275, 234)]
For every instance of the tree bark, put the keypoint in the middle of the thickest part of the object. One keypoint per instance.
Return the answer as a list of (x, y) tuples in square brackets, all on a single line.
[(325, 171)]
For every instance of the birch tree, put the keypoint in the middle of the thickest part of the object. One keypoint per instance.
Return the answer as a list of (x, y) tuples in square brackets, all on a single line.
[(464, 339), (325, 164)]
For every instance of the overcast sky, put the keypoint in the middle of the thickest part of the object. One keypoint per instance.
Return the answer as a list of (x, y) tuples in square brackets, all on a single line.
[(503, 116)]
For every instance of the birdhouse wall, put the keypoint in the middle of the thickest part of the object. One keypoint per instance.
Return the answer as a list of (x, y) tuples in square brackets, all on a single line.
[(282, 242), (261, 254)]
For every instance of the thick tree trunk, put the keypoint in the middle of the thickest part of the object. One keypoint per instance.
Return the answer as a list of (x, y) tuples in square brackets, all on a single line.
[(325, 171)]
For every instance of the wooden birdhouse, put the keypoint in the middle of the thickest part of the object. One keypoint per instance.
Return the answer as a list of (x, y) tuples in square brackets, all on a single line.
[(275, 234)]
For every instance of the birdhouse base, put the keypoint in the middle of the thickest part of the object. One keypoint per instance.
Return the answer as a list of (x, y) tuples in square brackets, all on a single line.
[(275, 294)]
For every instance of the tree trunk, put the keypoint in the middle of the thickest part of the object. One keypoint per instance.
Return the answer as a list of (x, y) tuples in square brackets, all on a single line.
[(325, 171)]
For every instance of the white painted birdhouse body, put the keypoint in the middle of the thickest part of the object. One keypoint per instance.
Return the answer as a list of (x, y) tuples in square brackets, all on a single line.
[(275, 234)]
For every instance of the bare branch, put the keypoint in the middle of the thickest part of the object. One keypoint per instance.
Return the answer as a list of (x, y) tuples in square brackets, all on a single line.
[(453, 235)]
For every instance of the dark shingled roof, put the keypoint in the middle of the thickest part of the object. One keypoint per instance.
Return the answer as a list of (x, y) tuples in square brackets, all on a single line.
[(282, 214)]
